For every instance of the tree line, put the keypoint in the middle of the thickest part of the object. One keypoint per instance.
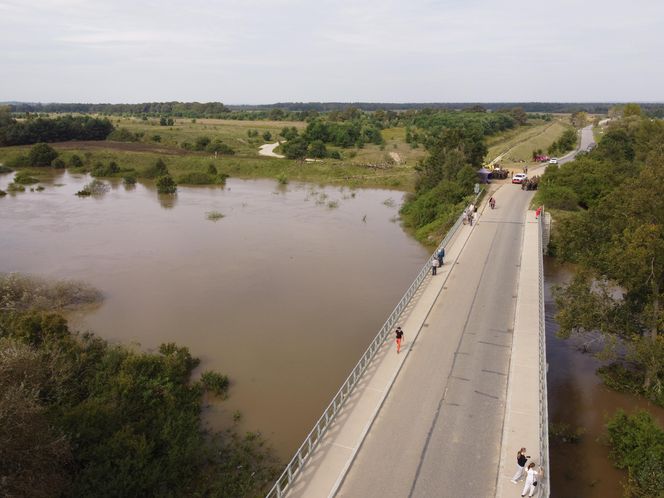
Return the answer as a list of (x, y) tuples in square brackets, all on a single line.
[(59, 129), (610, 222)]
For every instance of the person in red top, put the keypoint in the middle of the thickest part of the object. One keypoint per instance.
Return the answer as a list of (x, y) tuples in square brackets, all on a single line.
[(538, 212), (399, 334)]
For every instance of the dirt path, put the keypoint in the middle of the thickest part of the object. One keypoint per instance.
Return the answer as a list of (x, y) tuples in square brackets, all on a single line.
[(268, 150)]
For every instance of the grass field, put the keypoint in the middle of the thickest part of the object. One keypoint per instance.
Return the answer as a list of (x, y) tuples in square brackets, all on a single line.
[(390, 165), (516, 146), (231, 132)]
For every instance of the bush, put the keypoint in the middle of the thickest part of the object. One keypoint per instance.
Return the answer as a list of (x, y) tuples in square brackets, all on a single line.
[(317, 149), (282, 179), (218, 147), (58, 164), (24, 178), (101, 169), (5, 169), (214, 382), (15, 187), (295, 148), (95, 187), (202, 143), (267, 136), (554, 196), (166, 185), (156, 138), (129, 180), (124, 135), (211, 169), (158, 169), (637, 444), (42, 155), (75, 161)]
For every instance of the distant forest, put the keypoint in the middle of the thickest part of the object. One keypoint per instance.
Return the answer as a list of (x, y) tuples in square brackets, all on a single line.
[(288, 109)]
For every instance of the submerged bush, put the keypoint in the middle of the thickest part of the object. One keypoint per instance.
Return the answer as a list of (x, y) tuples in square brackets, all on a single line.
[(24, 178), (214, 382), (166, 185)]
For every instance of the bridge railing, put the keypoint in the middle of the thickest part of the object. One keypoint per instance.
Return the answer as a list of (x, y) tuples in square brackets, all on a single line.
[(316, 435), (545, 488)]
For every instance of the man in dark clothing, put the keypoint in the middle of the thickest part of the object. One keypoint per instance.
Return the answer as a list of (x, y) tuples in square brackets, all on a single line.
[(399, 334)]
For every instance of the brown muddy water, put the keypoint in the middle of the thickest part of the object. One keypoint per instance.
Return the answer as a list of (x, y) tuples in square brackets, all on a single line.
[(577, 397), (283, 294)]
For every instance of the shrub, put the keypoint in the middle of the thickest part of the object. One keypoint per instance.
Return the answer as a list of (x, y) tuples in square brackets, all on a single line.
[(124, 135), (2, 193), (58, 164), (202, 143), (219, 147), (166, 185), (557, 197), (95, 187), (637, 444), (317, 149), (129, 180), (5, 169), (156, 138), (267, 136), (42, 155), (15, 187), (214, 215), (24, 178), (75, 161), (214, 382), (211, 169), (158, 169), (282, 179)]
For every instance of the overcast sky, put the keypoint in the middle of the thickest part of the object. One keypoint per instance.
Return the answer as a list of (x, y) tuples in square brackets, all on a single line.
[(260, 51)]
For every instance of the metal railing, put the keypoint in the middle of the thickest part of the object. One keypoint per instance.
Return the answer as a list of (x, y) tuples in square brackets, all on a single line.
[(316, 435), (545, 488)]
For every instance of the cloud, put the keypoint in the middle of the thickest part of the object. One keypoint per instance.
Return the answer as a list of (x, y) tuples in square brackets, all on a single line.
[(251, 51)]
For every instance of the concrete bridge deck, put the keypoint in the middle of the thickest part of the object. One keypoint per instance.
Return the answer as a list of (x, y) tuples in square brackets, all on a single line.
[(437, 410)]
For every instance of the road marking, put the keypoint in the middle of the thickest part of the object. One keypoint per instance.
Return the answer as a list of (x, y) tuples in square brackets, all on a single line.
[(494, 372), (487, 395), (494, 344)]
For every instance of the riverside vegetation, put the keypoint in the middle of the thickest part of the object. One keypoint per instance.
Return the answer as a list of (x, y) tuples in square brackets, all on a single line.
[(609, 220), (82, 417)]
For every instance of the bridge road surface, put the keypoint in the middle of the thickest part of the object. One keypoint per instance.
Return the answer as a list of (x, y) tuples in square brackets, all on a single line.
[(438, 434)]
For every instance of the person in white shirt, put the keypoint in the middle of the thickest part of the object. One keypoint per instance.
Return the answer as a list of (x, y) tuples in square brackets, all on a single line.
[(531, 480), (434, 265)]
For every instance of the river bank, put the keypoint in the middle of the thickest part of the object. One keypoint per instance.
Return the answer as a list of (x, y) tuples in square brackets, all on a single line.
[(578, 398)]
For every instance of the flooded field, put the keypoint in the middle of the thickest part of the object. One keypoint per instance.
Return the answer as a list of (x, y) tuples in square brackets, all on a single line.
[(578, 398), (282, 294)]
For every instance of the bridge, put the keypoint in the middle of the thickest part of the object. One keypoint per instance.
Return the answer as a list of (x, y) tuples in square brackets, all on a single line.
[(446, 416)]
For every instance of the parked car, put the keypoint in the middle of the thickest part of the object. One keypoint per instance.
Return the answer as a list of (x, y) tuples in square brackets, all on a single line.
[(519, 178), (553, 160)]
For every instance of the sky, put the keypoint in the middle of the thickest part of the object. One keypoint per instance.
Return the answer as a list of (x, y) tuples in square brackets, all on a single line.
[(260, 51)]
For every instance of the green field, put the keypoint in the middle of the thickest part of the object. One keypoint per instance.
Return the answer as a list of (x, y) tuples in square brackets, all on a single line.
[(516, 146), (390, 165)]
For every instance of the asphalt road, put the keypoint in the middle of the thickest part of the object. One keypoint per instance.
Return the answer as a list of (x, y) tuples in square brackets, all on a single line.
[(586, 139), (439, 431)]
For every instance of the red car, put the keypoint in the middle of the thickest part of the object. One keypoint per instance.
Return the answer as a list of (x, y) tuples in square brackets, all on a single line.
[(519, 178)]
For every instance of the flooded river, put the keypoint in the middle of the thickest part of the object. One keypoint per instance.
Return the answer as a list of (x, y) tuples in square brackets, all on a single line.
[(578, 398), (282, 294)]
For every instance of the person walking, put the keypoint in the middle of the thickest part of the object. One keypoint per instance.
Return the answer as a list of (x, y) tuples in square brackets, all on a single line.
[(521, 459), (531, 480), (434, 265), (399, 334)]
